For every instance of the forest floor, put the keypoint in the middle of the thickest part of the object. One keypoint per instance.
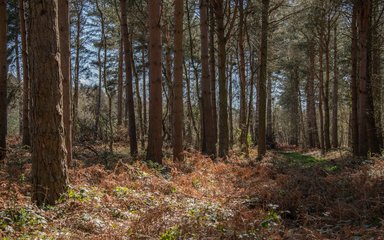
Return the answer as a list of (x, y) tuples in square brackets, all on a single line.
[(288, 195)]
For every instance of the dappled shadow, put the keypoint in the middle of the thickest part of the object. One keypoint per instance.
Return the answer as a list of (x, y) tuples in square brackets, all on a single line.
[(330, 196)]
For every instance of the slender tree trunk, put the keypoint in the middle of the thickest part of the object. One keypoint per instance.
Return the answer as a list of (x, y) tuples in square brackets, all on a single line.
[(223, 92), (155, 141), (262, 80), (354, 82), (335, 96), (321, 89), (243, 84), (212, 73), (98, 95), (270, 137), (49, 168), (208, 143), (168, 129), (18, 74), (26, 140), (178, 108), (230, 102), (313, 136), (65, 54), (77, 64), (137, 93), (103, 44), (120, 83), (128, 75), (3, 79), (326, 90), (144, 92)]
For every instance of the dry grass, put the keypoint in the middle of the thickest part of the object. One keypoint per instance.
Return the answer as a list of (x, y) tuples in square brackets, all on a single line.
[(281, 197)]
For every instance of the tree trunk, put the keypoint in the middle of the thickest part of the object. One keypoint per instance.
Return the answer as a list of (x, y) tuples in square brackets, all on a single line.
[(26, 140), (178, 108), (137, 94), (313, 136), (155, 140), (354, 82), (18, 74), (321, 89), (144, 93), (335, 96), (243, 84), (49, 168), (65, 54), (326, 91), (223, 92), (128, 75), (212, 73), (77, 64), (120, 83), (269, 136), (363, 25), (262, 80), (168, 128), (3, 79), (230, 102)]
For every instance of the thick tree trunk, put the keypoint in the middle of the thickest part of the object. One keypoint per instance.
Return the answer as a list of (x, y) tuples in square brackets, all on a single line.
[(335, 93), (49, 168), (178, 108), (243, 84), (26, 139), (155, 141), (263, 80), (65, 54), (223, 92), (128, 75), (3, 79), (354, 82), (363, 25)]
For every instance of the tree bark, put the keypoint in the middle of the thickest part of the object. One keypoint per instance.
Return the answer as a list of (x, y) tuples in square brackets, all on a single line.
[(65, 54), (313, 136), (120, 83), (3, 79), (354, 82), (335, 93), (155, 141), (223, 92), (243, 84), (212, 72), (128, 75), (26, 139), (178, 108), (363, 25), (49, 168), (262, 80), (75, 107)]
